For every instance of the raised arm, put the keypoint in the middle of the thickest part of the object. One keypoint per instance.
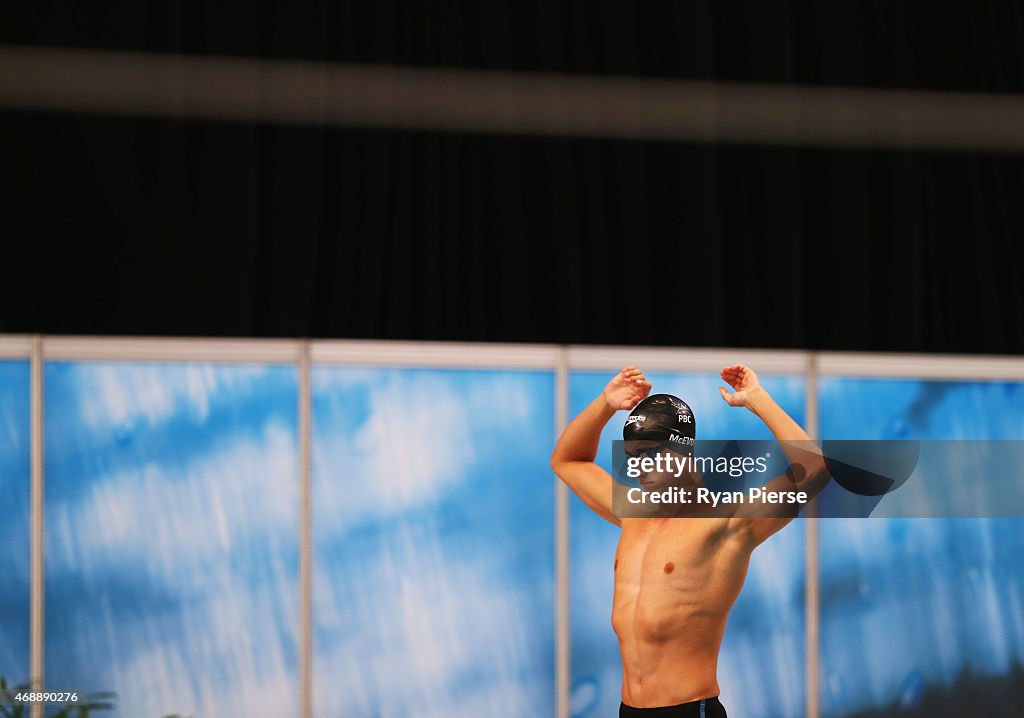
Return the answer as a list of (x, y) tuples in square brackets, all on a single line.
[(573, 457), (808, 472)]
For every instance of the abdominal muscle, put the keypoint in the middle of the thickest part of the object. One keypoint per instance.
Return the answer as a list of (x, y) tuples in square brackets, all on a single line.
[(675, 581)]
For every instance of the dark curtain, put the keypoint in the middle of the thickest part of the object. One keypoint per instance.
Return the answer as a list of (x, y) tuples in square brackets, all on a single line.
[(126, 225)]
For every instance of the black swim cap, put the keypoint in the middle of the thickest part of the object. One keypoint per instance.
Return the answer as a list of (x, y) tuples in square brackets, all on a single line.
[(662, 417)]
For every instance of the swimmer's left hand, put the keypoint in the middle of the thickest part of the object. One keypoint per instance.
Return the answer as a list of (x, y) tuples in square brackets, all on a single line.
[(745, 383)]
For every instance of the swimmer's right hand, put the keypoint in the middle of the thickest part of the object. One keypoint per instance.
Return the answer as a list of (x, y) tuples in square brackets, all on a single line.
[(627, 389)]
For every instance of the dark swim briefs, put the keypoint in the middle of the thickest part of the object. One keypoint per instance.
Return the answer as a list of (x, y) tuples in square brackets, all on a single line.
[(704, 708)]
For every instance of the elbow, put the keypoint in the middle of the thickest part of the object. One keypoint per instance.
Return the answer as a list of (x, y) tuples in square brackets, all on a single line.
[(816, 477), (560, 465), (557, 462), (808, 471)]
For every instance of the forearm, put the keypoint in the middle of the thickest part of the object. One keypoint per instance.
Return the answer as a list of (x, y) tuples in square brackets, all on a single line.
[(781, 424), (580, 440), (796, 443)]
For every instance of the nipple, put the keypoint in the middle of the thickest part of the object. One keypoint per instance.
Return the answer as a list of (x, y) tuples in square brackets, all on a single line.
[(670, 567)]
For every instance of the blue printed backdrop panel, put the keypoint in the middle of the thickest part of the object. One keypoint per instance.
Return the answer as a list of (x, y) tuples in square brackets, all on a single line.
[(433, 526), (761, 667), (172, 521), (15, 520), (923, 616)]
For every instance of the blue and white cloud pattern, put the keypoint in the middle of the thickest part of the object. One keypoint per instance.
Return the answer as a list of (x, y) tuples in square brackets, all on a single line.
[(172, 528), (433, 543), (913, 603), (172, 536), (14, 518)]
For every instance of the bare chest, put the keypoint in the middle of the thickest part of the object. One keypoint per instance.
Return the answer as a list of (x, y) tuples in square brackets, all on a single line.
[(671, 547), (690, 565)]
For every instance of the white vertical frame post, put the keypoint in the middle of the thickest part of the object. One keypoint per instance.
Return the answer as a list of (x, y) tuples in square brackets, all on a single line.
[(306, 535), (37, 582), (812, 593), (563, 656)]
